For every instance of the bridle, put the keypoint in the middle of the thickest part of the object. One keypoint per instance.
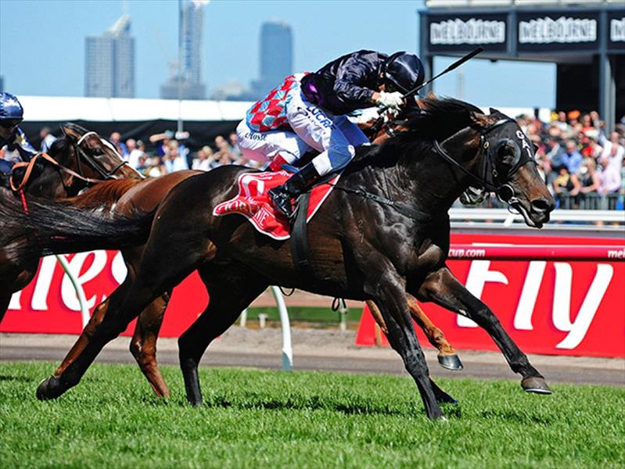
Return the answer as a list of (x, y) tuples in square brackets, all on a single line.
[(79, 153), (490, 178), (94, 163)]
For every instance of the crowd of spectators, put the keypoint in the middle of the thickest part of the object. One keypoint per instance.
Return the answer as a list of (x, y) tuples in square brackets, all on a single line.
[(582, 165), (168, 152)]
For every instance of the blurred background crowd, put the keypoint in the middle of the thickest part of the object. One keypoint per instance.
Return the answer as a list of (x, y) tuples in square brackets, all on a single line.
[(582, 165)]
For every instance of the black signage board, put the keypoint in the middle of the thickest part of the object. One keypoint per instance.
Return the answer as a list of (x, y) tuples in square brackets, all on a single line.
[(465, 32), (616, 30), (557, 31)]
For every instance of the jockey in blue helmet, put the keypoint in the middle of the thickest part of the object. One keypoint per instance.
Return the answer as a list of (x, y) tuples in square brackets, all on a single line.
[(11, 114), (307, 111)]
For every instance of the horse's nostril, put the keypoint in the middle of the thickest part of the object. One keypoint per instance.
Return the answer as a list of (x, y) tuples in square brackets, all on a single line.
[(542, 205)]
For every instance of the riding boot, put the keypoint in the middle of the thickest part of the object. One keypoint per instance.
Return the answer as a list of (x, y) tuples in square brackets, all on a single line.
[(300, 182)]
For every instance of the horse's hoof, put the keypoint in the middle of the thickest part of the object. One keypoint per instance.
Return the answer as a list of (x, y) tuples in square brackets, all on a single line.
[(450, 362), (49, 388), (536, 384)]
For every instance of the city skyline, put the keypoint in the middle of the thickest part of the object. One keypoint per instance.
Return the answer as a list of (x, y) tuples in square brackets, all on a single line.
[(231, 45), (275, 56)]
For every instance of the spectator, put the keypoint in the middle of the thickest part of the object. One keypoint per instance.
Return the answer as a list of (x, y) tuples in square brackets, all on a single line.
[(610, 176), (173, 160), (161, 141), (565, 184), (47, 139), (136, 150), (115, 139), (571, 157), (204, 160), (613, 150), (589, 182)]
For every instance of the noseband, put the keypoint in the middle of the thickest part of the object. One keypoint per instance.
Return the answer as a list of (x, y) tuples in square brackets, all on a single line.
[(489, 175), (94, 163)]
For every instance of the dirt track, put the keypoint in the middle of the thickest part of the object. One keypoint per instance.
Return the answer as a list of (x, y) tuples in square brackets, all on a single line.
[(314, 349)]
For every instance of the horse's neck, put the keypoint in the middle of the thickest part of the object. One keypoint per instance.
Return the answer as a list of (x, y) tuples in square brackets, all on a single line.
[(431, 182)]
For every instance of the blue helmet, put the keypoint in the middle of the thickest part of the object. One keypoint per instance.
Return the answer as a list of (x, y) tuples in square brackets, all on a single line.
[(10, 107), (403, 72)]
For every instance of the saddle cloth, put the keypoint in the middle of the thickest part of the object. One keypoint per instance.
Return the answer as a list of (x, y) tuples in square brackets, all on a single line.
[(253, 202)]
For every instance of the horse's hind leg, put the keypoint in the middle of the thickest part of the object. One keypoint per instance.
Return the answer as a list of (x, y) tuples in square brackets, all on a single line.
[(5, 299), (143, 343), (157, 275), (231, 290), (447, 356)]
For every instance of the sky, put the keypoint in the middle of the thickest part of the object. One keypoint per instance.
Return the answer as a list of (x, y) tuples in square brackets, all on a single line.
[(42, 45)]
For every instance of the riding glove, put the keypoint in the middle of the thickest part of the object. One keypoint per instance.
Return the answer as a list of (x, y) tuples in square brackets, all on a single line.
[(390, 100)]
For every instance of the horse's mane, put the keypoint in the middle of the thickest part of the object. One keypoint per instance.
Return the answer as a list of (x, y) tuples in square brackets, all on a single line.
[(105, 191), (439, 119)]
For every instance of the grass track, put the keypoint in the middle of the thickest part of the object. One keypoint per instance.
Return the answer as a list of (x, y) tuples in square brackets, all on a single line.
[(303, 419)]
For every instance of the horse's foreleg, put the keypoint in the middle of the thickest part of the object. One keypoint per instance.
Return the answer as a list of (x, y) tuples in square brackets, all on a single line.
[(444, 289), (143, 343), (389, 294), (447, 356)]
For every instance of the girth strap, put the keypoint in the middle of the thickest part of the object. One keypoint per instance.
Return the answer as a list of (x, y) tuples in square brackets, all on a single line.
[(299, 239)]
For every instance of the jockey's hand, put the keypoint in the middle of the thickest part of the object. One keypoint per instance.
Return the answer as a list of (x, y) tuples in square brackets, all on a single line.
[(393, 100)]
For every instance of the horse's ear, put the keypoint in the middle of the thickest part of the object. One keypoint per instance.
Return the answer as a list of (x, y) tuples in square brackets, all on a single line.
[(480, 119), (70, 131), (492, 110)]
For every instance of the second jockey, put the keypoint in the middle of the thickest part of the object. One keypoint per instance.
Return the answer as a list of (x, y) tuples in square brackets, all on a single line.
[(308, 111), (11, 115)]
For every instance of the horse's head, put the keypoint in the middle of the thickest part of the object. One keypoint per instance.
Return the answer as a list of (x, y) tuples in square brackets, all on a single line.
[(509, 168), (96, 158)]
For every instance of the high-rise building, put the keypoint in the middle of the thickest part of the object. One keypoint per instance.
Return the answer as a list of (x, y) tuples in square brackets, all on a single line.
[(1, 84), (110, 62), (276, 55), (189, 84)]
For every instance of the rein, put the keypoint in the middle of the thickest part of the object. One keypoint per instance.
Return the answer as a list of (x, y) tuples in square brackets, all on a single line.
[(31, 164)]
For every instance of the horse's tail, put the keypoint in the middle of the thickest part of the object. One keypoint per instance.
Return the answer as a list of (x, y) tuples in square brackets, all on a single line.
[(46, 227)]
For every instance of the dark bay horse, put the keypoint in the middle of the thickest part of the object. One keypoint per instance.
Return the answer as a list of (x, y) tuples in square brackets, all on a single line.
[(360, 248)]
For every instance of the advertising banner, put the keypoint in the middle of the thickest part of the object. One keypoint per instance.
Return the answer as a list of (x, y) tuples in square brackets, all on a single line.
[(464, 32), (558, 31)]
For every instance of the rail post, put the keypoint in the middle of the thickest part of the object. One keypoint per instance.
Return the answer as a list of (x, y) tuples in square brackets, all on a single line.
[(287, 350)]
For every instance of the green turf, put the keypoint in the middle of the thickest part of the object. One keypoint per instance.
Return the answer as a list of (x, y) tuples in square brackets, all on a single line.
[(302, 419)]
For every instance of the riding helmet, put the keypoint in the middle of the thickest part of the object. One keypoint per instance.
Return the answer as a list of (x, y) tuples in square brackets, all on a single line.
[(403, 72), (10, 107)]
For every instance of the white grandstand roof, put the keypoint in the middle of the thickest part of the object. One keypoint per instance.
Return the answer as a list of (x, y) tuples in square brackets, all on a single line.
[(53, 108)]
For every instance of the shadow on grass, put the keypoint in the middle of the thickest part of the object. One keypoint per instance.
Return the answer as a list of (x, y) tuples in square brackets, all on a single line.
[(18, 379), (313, 403)]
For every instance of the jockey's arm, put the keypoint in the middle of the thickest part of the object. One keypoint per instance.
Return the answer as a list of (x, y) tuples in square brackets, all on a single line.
[(20, 143)]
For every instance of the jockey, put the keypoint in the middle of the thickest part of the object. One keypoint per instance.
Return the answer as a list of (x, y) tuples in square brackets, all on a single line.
[(11, 114), (308, 111)]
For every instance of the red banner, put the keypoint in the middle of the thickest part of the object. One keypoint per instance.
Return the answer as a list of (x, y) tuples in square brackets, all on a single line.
[(555, 295)]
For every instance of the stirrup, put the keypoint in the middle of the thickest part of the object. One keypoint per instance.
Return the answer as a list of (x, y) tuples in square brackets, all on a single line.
[(281, 200)]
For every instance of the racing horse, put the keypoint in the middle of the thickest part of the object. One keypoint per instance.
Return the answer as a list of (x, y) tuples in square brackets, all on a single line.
[(403, 189), (75, 160)]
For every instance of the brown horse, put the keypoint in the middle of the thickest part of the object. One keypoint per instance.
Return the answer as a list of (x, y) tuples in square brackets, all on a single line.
[(411, 180), (75, 160)]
